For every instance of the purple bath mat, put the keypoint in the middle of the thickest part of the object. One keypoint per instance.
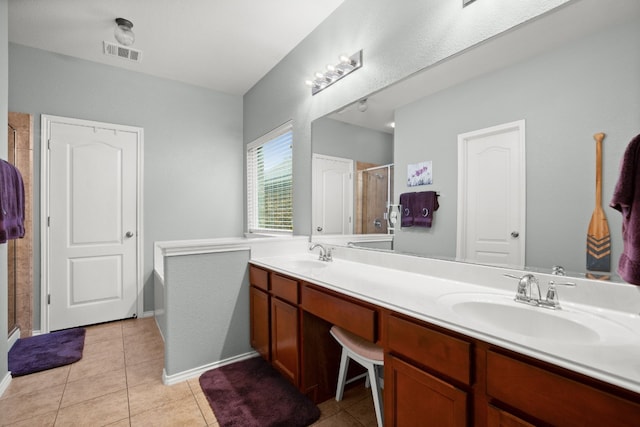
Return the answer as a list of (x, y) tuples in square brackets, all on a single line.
[(251, 393), (47, 351)]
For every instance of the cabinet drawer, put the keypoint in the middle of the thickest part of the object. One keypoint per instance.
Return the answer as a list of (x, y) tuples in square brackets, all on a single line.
[(259, 277), (443, 353), (284, 288), (552, 398), (348, 315)]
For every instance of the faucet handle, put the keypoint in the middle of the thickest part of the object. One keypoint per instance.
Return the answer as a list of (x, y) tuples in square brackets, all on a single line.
[(327, 256), (552, 301)]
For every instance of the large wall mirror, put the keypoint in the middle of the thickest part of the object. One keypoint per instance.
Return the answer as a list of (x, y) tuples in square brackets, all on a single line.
[(568, 75)]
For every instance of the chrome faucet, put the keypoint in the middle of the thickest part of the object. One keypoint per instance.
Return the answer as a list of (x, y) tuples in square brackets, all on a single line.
[(325, 254), (528, 291)]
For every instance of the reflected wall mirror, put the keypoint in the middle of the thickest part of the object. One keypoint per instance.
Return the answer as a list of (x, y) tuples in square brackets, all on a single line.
[(568, 74)]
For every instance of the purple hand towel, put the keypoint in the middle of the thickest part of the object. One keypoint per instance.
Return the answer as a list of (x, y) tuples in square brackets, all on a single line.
[(626, 199), (406, 205), (11, 202), (424, 204)]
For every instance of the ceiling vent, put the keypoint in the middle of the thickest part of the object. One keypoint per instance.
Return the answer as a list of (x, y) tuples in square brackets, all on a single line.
[(114, 49)]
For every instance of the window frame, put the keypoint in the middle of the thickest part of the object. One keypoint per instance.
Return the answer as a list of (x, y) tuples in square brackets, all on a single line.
[(252, 199)]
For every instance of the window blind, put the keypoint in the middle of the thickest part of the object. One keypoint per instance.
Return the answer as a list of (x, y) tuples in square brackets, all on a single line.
[(269, 181)]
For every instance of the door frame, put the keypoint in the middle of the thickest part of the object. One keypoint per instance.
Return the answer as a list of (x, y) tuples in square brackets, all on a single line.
[(464, 140), (45, 132)]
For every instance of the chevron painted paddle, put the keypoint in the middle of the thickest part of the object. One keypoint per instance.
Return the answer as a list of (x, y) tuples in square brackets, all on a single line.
[(598, 237)]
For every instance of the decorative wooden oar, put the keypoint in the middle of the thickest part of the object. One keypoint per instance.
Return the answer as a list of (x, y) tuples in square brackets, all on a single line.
[(598, 237)]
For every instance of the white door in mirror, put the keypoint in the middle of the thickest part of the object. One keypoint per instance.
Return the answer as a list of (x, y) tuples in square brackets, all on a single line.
[(491, 194), (332, 190)]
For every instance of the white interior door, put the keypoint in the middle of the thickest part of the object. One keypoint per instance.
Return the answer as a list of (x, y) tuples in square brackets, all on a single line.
[(492, 195), (93, 245), (332, 192)]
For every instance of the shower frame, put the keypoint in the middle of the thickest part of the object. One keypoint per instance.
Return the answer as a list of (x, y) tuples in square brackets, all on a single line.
[(20, 266)]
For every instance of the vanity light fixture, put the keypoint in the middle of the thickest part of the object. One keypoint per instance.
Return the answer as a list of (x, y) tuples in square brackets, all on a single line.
[(347, 65), (123, 33)]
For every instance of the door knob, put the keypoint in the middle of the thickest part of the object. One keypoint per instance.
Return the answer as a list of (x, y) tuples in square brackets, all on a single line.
[(129, 234), (515, 234), (319, 228)]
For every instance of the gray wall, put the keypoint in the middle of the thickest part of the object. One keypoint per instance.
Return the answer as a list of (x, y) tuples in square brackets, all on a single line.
[(565, 96), (193, 154), (4, 148), (398, 39), (206, 308), (339, 139)]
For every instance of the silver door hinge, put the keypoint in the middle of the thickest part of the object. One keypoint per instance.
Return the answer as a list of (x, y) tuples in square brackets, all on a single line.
[(49, 299), (48, 221), (48, 144)]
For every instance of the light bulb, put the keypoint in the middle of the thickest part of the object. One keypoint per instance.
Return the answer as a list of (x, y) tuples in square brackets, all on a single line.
[(344, 59)]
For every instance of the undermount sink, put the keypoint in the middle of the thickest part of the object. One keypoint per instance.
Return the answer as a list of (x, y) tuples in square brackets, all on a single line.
[(567, 326)]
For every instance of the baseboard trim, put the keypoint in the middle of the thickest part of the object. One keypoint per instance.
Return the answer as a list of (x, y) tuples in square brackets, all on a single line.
[(147, 314), (15, 336), (196, 372), (4, 385)]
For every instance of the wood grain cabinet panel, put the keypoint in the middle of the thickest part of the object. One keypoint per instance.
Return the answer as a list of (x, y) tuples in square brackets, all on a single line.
[(412, 397), (259, 277), (554, 399), (259, 321), (284, 288), (285, 349), (498, 418), (338, 311), (443, 353)]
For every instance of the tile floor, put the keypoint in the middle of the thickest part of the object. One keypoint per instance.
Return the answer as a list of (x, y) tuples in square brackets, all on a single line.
[(118, 382)]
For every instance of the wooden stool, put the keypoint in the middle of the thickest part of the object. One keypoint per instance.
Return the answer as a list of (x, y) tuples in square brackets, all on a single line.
[(366, 354)]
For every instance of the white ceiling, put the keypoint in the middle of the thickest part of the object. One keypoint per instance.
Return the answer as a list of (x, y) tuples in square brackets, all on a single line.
[(222, 45)]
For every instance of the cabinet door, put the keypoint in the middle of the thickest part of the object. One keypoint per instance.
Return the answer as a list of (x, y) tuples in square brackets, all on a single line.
[(412, 397), (284, 339), (259, 321)]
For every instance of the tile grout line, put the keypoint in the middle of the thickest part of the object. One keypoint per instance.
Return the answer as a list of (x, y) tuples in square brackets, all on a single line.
[(66, 382), (126, 372), (193, 394)]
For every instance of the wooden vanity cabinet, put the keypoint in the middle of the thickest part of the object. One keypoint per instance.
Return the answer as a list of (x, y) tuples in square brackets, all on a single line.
[(259, 307), (427, 375), (274, 320), (259, 321), (433, 376), (285, 335)]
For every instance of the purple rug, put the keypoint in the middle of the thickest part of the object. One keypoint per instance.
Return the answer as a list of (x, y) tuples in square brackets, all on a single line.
[(251, 393), (47, 351)]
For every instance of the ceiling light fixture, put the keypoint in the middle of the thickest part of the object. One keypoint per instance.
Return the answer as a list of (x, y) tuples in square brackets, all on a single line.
[(123, 33), (347, 65)]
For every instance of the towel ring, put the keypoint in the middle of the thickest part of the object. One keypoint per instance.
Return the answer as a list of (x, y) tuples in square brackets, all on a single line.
[(425, 212), (406, 212)]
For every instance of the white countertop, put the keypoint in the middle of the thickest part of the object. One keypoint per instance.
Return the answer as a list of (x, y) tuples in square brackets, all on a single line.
[(613, 357)]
